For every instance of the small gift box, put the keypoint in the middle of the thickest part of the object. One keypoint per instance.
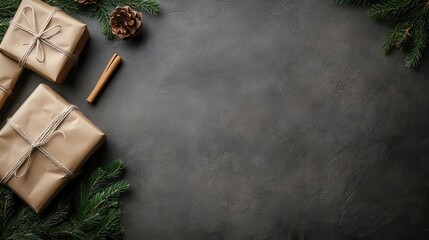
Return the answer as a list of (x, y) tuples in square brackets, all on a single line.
[(44, 39), (43, 145), (9, 74)]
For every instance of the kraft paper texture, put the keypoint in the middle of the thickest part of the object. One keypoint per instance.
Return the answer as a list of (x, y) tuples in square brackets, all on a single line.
[(10, 71), (43, 179), (72, 37)]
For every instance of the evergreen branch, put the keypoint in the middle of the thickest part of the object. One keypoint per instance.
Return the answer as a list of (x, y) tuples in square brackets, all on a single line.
[(56, 217), (73, 8), (103, 17), (409, 31), (109, 227), (100, 219), (99, 180), (396, 37), (150, 6), (105, 199), (7, 210), (355, 2), (390, 10), (4, 25), (414, 58), (65, 230), (69, 7), (8, 9)]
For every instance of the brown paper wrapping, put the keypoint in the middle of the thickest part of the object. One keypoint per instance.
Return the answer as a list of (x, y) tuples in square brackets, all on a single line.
[(43, 179), (9, 75), (72, 37)]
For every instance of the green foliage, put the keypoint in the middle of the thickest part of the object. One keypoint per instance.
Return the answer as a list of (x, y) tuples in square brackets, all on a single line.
[(103, 18), (3, 27), (92, 211), (149, 6), (409, 30), (392, 10), (355, 2), (101, 9)]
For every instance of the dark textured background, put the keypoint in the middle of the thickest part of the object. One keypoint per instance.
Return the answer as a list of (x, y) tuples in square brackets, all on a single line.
[(248, 119)]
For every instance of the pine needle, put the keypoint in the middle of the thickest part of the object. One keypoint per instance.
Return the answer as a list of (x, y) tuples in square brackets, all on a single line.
[(355, 2), (93, 212), (103, 19), (409, 31), (392, 10)]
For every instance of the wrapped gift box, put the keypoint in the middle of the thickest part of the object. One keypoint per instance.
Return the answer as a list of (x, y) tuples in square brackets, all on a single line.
[(45, 142), (44, 39), (9, 75)]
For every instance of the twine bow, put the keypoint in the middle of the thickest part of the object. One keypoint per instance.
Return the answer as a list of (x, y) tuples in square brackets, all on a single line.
[(5, 90), (40, 36), (38, 144)]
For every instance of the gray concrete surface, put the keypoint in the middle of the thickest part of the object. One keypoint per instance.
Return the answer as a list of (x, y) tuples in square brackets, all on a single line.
[(254, 119)]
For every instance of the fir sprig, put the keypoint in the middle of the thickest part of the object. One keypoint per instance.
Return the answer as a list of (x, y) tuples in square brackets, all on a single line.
[(101, 9), (409, 30), (92, 212), (103, 18), (355, 2)]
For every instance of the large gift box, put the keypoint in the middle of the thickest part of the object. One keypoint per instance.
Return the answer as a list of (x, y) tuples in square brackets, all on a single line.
[(43, 145), (44, 39), (10, 71)]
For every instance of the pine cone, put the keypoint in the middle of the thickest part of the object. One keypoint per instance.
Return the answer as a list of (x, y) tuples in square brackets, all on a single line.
[(125, 22), (85, 2)]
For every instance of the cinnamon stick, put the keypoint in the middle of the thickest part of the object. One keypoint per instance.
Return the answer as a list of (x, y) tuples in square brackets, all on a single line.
[(105, 76)]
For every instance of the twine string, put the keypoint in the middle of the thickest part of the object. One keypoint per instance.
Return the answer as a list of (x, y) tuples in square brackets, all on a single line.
[(45, 136), (41, 36)]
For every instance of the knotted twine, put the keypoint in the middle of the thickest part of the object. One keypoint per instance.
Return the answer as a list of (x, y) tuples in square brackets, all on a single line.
[(41, 36), (38, 144)]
